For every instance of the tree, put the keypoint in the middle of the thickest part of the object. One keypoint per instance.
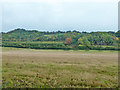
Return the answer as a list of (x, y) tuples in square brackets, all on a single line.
[(83, 41), (68, 41)]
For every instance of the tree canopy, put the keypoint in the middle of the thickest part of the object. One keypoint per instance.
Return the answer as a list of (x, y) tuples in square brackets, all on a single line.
[(61, 39)]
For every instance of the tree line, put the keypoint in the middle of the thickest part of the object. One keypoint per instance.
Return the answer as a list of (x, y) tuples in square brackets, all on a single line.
[(69, 39)]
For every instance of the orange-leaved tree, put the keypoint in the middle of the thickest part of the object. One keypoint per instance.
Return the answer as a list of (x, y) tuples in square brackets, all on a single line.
[(68, 41)]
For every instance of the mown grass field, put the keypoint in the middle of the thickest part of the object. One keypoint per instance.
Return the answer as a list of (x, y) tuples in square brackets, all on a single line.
[(59, 69)]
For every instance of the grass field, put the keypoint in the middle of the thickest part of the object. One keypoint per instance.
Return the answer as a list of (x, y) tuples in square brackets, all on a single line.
[(59, 68)]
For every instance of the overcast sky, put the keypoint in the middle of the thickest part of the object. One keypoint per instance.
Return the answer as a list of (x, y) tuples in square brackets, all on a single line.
[(60, 15)]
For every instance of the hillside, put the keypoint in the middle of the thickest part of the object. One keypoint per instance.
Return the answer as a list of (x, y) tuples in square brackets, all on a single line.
[(22, 38)]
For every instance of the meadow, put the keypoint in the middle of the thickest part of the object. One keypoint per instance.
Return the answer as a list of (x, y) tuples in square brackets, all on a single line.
[(38, 68)]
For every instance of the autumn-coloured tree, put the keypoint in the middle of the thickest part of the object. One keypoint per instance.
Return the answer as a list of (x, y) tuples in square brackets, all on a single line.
[(68, 41)]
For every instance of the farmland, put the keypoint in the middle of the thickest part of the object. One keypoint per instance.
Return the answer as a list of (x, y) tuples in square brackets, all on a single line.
[(38, 68)]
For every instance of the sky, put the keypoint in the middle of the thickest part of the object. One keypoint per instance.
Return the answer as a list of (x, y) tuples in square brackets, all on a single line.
[(64, 15)]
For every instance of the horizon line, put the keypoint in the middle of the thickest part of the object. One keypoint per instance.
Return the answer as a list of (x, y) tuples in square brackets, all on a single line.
[(57, 30)]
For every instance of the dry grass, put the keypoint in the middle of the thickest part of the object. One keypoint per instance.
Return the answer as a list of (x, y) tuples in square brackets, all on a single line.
[(52, 68)]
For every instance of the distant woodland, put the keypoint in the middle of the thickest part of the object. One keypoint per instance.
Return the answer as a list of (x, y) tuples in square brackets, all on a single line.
[(69, 40)]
